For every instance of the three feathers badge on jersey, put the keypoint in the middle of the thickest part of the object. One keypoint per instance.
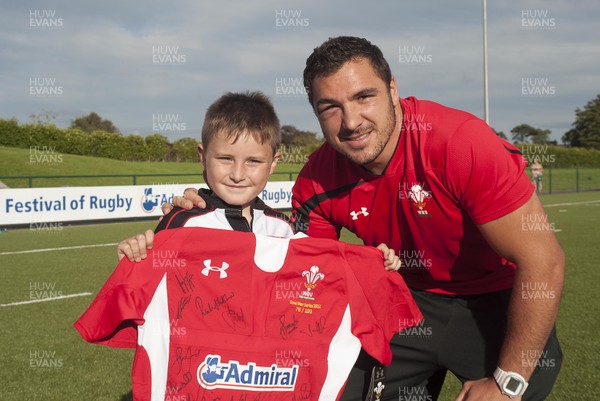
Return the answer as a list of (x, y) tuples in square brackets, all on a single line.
[(419, 196)]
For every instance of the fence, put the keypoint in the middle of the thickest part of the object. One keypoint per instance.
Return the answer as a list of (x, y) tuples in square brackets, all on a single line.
[(553, 181), (569, 180), (26, 181)]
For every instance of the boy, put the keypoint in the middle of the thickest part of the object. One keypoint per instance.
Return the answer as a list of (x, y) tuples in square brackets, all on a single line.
[(238, 152)]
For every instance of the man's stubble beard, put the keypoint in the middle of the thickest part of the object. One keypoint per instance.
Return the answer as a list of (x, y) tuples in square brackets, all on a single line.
[(367, 156)]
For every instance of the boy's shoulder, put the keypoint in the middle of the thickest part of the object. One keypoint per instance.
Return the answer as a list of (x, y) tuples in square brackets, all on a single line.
[(259, 204), (214, 202), (219, 214)]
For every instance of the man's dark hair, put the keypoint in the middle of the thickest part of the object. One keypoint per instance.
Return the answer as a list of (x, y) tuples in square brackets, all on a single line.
[(335, 52)]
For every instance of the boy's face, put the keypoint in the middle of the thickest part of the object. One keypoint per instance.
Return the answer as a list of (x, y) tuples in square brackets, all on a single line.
[(237, 172)]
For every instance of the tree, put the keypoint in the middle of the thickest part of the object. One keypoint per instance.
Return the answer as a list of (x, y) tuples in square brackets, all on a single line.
[(291, 135), (184, 150), (586, 128), (297, 145), (501, 134), (541, 136), (136, 148), (520, 133), (93, 122), (157, 147), (12, 134), (524, 133)]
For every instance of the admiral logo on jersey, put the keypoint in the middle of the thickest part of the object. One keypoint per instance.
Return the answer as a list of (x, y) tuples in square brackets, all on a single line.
[(235, 376)]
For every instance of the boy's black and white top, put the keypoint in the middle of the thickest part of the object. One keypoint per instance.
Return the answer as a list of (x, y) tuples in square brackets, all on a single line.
[(219, 214)]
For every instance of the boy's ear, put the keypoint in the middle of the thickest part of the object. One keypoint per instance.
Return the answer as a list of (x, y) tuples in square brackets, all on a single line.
[(201, 154), (276, 158)]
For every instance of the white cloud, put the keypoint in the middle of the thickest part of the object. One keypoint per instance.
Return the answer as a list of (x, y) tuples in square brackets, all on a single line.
[(102, 56)]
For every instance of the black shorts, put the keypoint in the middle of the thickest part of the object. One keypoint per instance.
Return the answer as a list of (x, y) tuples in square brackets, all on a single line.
[(460, 334)]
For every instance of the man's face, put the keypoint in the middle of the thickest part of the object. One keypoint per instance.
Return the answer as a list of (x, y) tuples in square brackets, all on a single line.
[(358, 114)]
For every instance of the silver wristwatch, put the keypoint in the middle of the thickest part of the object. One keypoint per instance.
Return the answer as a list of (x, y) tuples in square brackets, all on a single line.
[(511, 384)]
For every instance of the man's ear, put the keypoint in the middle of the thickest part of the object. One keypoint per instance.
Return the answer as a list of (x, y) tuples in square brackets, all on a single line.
[(394, 91)]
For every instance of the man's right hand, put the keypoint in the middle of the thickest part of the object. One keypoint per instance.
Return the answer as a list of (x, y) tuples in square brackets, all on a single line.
[(189, 199)]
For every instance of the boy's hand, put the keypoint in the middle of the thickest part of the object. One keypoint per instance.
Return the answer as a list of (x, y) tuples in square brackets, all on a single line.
[(391, 260), (189, 199), (135, 247)]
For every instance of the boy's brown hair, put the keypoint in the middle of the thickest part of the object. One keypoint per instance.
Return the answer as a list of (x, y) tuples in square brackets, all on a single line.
[(243, 113)]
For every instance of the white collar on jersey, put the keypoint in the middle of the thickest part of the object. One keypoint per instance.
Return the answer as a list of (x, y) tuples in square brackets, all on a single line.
[(270, 252)]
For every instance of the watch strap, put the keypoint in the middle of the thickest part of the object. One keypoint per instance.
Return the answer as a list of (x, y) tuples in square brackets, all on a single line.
[(500, 376)]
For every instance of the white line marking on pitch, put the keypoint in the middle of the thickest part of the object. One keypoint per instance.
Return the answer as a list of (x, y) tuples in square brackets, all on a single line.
[(572, 203), (33, 301), (55, 249)]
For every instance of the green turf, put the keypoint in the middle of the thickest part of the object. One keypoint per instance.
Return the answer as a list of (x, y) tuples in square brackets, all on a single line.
[(570, 179), (578, 324), (80, 371), (69, 368), (17, 162), (578, 320)]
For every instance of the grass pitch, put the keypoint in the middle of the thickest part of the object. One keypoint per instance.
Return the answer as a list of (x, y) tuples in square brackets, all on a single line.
[(44, 358)]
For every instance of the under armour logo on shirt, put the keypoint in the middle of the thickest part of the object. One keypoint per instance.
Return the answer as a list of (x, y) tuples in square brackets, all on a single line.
[(363, 211), (209, 268)]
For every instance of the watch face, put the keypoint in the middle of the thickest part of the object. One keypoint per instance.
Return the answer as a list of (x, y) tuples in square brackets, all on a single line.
[(513, 385)]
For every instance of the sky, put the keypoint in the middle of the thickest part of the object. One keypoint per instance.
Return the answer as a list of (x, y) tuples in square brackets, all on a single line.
[(155, 66)]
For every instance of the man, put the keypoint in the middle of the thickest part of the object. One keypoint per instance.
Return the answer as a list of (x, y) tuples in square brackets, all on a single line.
[(437, 185), (537, 172)]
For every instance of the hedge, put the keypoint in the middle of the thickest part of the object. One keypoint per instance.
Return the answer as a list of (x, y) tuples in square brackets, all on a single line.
[(560, 156), (156, 147)]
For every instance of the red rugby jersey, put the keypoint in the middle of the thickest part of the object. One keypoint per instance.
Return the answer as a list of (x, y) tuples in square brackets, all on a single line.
[(219, 314), (449, 172)]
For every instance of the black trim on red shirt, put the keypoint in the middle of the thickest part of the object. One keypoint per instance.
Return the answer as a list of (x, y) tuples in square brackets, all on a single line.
[(178, 216), (514, 151), (312, 203)]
